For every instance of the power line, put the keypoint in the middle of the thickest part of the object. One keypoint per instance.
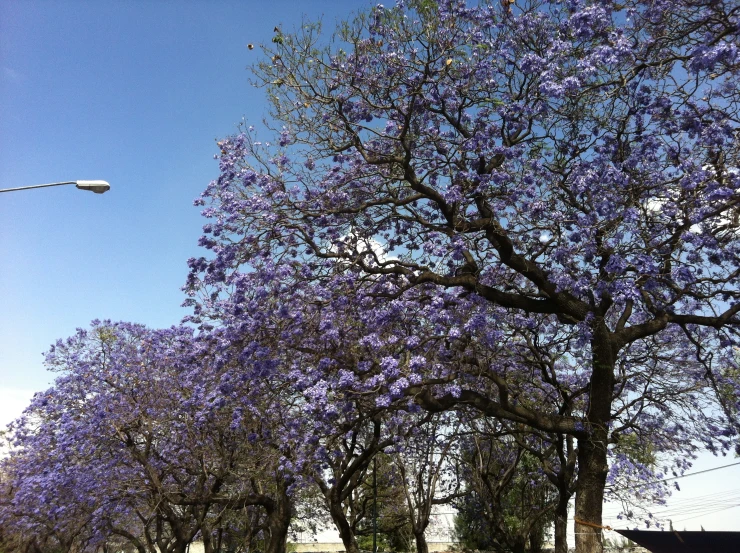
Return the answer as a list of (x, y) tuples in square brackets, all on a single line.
[(717, 510), (698, 506), (677, 477), (695, 507)]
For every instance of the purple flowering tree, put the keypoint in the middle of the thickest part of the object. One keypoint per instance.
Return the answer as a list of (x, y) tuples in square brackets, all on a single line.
[(550, 187), (145, 439), (63, 485), (34, 517), (320, 349)]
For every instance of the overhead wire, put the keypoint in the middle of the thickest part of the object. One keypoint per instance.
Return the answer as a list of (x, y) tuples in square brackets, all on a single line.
[(677, 477), (690, 508), (708, 513)]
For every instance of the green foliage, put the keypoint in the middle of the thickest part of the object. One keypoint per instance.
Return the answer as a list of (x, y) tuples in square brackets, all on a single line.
[(509, 504), (471, 530), (426, 8), (394, 530), (106, 335), (635, 449)]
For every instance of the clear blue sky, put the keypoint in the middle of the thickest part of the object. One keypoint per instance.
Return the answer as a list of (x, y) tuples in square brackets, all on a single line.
[(133, 92)]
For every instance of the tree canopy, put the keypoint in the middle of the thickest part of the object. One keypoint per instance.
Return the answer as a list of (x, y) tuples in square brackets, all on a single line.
[(550, 186), (523, 213)]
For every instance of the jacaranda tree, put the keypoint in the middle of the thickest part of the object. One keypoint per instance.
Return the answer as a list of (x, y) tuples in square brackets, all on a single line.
[(145, 440), (552, 183), (309, 342)]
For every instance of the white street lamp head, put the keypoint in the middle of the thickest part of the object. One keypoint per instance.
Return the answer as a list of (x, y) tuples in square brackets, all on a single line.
[(97, 186)]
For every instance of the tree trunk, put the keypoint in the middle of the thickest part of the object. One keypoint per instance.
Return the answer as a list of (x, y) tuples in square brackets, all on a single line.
[(220, 538), (207, 539), (278, 522), (179, 547), (592, 451), (519, 545), (592, 471), (345, 531), (421, 542), (561, 525)]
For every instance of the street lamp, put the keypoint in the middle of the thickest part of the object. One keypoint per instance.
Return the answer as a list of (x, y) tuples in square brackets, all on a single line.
[(97, 186)]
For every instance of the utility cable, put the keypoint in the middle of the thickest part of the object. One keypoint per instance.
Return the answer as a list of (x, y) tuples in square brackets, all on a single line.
[(676, 477)]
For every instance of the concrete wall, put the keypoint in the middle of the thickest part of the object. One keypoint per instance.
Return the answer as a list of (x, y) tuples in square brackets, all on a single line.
[(434, 547)]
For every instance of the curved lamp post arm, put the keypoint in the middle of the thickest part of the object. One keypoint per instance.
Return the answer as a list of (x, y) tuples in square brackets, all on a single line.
[(97, 186)]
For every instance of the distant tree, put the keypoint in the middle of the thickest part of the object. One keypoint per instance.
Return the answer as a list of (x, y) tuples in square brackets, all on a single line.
[(510, 502), (427, 472), (385, 509), (141, 439)]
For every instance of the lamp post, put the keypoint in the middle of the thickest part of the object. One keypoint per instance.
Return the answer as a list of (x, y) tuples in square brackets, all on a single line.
[(97, 186)]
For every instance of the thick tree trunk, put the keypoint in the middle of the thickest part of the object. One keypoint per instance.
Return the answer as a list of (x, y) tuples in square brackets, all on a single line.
[(592, 451), (519, 545), (343, 527), (219, 540), (592, 471), (421, 542), (278, 522), (207, 540), (179, 547)]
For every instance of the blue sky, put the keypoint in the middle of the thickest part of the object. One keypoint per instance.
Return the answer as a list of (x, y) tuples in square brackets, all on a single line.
[(133, 92)]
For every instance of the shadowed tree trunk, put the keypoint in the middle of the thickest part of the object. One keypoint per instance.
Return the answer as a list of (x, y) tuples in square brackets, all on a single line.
[(561, 525), (592, 451), (421, 542), (520, 545), (349, 540), (278, 519)]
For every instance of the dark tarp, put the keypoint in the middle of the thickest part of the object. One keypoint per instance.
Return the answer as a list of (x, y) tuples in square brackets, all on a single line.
[(685, 542)]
